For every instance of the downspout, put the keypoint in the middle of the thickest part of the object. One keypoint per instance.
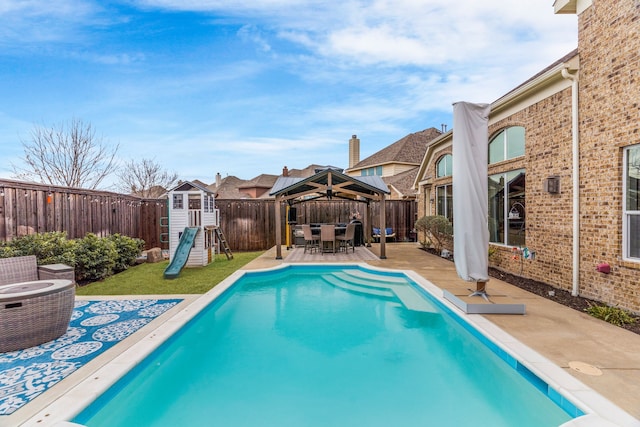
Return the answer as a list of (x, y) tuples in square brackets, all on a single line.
[(575, 139)]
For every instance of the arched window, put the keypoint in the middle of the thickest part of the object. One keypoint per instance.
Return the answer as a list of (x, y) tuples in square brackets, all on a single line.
[(444, 165), (507, 144)]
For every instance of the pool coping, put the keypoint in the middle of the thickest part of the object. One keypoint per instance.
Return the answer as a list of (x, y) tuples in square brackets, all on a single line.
[(597, 409)]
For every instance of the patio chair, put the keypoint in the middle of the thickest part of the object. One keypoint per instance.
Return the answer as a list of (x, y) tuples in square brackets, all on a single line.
[(348, 238), (328, 235), (311, 242)]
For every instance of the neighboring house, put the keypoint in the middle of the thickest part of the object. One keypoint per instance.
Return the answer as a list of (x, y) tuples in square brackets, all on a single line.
[(564, 163), (228, 187), (232, 187), (258, 186), (397, 163)]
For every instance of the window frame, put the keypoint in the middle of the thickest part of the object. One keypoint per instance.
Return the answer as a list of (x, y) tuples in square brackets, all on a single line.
[(448, 210), (626, 212), (506, 208), (178, 201), (448, 166), (504, 132)]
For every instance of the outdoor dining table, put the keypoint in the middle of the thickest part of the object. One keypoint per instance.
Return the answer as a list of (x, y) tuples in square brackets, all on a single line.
[(339, 229)]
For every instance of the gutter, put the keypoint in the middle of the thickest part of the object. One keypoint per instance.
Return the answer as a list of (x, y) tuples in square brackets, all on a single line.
[(576, 179)]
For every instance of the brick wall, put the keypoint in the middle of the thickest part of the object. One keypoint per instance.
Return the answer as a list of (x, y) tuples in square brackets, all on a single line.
[(609, 46), (548, 216)]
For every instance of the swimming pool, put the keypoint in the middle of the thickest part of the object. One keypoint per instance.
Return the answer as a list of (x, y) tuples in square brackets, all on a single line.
[(371, 353), (320, 346)]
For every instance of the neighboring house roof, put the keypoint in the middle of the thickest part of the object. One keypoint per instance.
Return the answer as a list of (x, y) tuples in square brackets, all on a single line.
[(262, 181), (403, 182), (228, 188), (303, 173), (200, 183), (409, 149), (231, 187)]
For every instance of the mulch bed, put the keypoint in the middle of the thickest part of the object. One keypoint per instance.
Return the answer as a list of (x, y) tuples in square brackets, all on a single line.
[(547, 291)]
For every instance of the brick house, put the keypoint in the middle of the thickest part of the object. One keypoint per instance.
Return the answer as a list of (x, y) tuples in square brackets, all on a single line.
[(564, 163), (397, 163)]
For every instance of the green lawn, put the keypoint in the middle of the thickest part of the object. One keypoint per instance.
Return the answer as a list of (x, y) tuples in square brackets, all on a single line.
[(147, 279)]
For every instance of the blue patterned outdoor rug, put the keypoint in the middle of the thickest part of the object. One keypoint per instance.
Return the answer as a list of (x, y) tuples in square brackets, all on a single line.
[(95, 327)]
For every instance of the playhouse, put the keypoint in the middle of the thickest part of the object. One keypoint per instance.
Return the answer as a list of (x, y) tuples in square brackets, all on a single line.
[(193, 227)]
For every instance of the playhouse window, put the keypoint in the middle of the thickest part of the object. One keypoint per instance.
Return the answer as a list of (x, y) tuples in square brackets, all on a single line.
[(507, 144), (178, 201), (195, 202), (507, 216), (631, 208)]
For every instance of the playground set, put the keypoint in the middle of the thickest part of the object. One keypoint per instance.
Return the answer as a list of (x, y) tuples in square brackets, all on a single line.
[(194, 228)]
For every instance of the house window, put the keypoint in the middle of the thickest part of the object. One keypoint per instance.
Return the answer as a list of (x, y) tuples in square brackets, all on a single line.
[(178, 201), (444, 166), (507, 215), (631, 208), (444, 197), (371, 171), (507, 144)]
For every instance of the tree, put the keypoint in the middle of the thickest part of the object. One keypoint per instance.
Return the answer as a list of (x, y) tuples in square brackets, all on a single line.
[(145, 178), (69, 155)]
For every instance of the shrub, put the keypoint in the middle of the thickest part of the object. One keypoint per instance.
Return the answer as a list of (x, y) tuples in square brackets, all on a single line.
[(49, 248), (95, 257), (437, 229), (7, 251), (614, 315), (128, 249)]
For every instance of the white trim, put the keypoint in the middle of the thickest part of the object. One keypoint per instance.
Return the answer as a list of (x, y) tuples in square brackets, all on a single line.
[(626, 213)]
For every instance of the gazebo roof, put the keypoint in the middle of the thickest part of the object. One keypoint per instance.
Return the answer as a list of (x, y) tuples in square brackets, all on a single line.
[(330, 183)]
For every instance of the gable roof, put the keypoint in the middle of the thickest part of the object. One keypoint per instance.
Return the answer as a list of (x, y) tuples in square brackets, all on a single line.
[(228, 188), (190, 186), (263, 181), (330, 183), (409, 149), (403, 182)]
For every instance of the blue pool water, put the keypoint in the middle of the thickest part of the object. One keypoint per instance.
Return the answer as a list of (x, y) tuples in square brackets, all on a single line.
[(325, 346)]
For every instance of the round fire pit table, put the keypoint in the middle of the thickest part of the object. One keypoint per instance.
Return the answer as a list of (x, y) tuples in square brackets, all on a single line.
[(32, 313)]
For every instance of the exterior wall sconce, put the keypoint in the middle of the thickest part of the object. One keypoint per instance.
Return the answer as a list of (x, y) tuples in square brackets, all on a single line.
[(552, 184)]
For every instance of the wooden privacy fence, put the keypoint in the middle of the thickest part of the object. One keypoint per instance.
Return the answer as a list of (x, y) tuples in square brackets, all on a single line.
[(248, 224), (28, 208)]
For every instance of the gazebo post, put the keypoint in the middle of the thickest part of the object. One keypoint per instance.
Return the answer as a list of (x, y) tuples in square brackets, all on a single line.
[(278, 228), (383, 224), (367, 223)]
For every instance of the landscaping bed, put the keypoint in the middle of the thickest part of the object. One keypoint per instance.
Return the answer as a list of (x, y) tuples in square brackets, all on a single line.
[(547, 291), (558, 295)]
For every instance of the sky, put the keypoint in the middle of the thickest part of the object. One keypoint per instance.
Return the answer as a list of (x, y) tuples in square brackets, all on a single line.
[(246, 87)]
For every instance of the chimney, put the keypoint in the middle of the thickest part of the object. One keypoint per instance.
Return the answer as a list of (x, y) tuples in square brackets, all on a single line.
[(354, 151), (218, 180), (285, 171)]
